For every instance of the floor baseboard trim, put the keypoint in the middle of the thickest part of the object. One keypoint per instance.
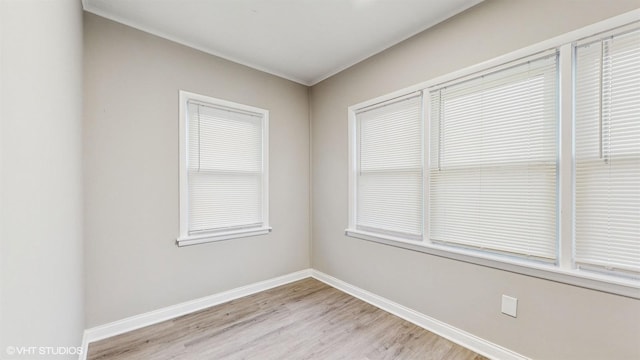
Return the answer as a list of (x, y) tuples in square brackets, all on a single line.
[(460, 337), (153, 317)]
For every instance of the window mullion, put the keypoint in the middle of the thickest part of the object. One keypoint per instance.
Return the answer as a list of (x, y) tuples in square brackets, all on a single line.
[(565, 158), (426, 161)]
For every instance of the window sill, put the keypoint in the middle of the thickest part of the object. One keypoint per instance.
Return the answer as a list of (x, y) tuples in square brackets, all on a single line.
[(595, 281), (219, 236)]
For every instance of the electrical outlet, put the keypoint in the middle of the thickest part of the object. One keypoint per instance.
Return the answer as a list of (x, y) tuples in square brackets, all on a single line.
[(509, 305)]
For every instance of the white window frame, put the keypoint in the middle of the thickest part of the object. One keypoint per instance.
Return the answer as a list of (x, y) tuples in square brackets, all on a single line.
[(185, 238), (564, 270)]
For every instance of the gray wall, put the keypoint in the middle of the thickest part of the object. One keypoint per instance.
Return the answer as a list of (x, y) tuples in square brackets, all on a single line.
[(132, 264), (41, 296), (555, 321)]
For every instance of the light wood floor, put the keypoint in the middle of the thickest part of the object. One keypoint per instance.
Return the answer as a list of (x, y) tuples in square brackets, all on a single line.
[(306, 319)]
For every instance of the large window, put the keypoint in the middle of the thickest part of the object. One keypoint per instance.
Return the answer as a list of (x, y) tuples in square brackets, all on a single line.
[(532, 162), (223, 170)]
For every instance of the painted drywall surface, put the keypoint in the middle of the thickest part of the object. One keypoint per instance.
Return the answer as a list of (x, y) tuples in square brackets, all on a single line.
[(131, 146), (555, 321), (41, 302)]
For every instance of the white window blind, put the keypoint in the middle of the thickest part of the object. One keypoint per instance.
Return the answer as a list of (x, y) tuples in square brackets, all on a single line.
[(390, 167), (224, 168), (492, 172), (607, 151)]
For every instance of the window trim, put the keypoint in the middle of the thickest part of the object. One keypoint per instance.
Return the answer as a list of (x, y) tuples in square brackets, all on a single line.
[(184, 239), (563, 271)]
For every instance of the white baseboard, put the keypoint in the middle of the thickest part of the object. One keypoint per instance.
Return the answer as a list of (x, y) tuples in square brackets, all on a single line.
[(170, 312), (449, 332), (460, 337)]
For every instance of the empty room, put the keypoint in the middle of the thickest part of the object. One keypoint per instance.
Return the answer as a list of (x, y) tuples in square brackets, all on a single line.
[(320, 179)]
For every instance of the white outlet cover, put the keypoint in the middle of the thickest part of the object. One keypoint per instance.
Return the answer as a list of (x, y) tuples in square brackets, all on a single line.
[(509, 305)]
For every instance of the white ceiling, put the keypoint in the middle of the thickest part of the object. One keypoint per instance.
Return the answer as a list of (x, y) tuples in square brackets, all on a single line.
[(301, 40)]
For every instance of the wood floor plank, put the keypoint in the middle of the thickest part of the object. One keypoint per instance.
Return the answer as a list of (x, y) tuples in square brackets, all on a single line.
[(303, 320)]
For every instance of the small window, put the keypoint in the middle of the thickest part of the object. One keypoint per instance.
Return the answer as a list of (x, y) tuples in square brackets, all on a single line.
[(223, 170), (387, 168)]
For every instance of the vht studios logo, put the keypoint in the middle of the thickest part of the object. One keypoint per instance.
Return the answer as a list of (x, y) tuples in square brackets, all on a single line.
[(43, 350)]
